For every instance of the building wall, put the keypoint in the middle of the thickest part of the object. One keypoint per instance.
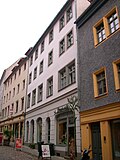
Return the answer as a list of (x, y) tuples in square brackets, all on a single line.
[(93, 58), (49, 105), (104, 110)]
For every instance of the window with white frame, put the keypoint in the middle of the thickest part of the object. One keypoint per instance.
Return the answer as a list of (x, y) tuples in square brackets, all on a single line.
[(51, 36), (41, 67), (69, 14), (18, 88), (30, 77), (28, 100), (62, 46), (16, 106), (70, 39), (35, 73), (42, 46), (23, 84), (22, 103), (50, 58), (40, 93), (67, 75), (62, 22), (71, 73), (31, 60), (36, 54), (50, 87), (34, 97), (13, 92)]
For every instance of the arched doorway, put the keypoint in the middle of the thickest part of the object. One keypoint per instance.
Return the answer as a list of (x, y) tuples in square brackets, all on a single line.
[(32, 131), (39, 129), (48, 129)]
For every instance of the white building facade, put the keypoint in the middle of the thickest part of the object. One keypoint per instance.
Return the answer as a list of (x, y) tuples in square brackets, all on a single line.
[(52, 78)]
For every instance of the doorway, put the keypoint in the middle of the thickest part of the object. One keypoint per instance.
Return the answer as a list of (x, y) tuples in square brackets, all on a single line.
[(96, 141)]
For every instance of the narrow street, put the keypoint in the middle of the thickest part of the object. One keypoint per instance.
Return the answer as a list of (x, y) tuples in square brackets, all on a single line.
[(9, 153)]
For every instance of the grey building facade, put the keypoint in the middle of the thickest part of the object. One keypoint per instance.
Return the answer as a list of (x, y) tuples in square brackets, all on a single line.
[(98, 31)]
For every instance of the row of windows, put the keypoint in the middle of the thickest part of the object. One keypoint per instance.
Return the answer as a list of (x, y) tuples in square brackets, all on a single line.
[(8, 95), (9, 82), (106, 26), (69, 15), (62, 43), (8, 111), (66, 77), (100, 82)]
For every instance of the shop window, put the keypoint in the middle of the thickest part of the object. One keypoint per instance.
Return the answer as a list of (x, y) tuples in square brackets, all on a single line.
[(116, 69), (65, 126), (99, 82)]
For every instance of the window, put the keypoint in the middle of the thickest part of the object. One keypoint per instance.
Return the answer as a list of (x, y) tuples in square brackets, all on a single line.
[(100, 32), (70, 39), (11, 80), (106, 26), (42, 46), (51, 36), (31, 60), (34, 97), (67, 75), (69, 13), (50, 87), (12, 109), (99, 80), (113, 22), (15, 76), (40, 92), (24, 66), (41, 67), (9, 94), (62, 22), (28, 100), (23, 84), (36, 54), (65, 126), (22, 103), (62, 46), (16, 106), (19, 71), (35, 73), (18, 88), (116, 69), (71, 73), (30, 77), (50, 58), (13, 92)]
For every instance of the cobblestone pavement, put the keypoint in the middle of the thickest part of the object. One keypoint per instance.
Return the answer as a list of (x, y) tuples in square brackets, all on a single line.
[(9, 153)]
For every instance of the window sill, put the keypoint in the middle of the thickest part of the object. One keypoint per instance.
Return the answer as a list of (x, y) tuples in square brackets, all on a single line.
[(101, 96)]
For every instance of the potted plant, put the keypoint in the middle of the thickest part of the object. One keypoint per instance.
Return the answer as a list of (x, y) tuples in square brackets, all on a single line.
[(7, 136)]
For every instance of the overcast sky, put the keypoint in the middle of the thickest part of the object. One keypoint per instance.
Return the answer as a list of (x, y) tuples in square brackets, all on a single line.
[(22, 22)]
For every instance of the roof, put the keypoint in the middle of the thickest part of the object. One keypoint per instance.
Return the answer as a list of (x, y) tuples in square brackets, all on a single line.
[(94, 7), (50, 26)]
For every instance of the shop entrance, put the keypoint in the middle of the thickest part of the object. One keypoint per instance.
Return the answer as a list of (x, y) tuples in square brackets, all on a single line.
[(96, 141)]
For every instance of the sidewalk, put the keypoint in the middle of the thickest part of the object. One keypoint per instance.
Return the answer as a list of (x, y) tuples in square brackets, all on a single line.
[(34, 152)]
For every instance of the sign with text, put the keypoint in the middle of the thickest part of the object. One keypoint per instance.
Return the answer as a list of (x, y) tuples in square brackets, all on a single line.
[(18, 144), (45, 151)]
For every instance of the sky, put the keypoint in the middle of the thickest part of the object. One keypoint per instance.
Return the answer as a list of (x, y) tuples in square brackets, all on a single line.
[(22, 22)]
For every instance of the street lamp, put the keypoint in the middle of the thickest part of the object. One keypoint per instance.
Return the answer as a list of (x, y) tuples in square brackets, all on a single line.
[(73, 106)]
